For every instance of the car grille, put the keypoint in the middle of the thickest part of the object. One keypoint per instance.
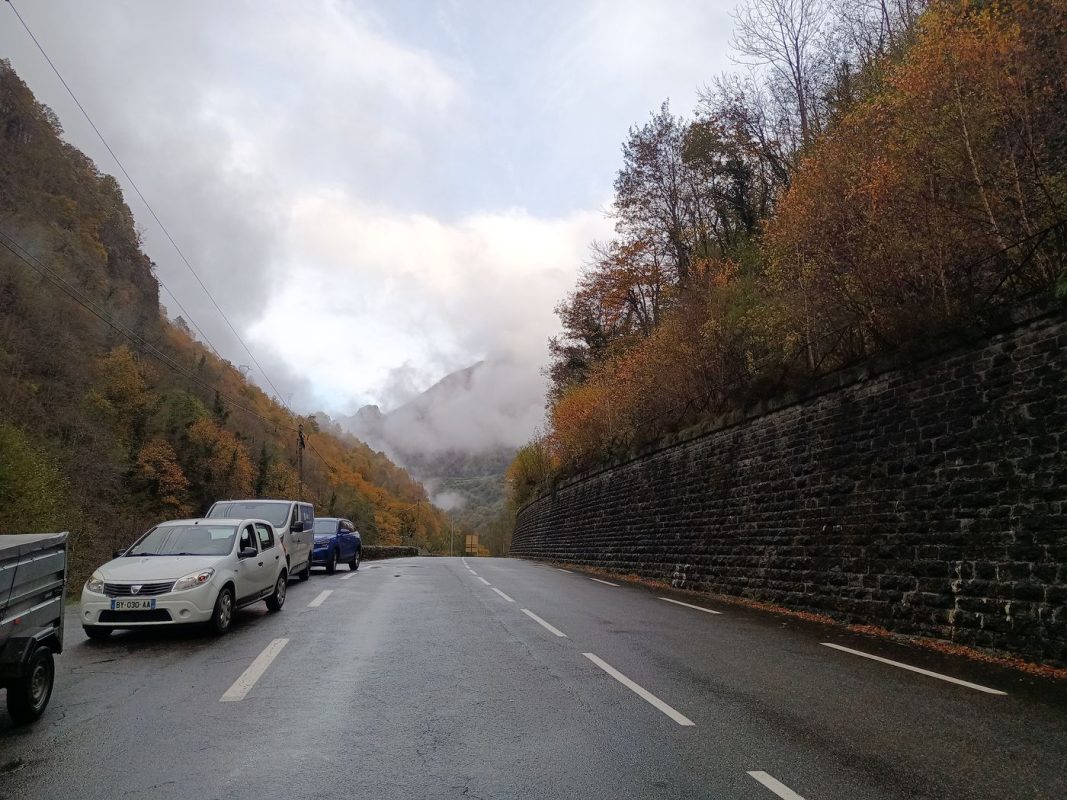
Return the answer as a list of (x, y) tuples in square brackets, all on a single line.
[(146, 590), (150, 615)]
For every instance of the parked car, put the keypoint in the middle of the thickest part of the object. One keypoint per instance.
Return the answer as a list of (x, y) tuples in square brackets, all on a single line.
[(33, 568), (292, 520), (336, 540), (187, 571)]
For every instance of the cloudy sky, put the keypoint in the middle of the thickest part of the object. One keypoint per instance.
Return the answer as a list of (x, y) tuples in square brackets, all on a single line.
[(377, 193)]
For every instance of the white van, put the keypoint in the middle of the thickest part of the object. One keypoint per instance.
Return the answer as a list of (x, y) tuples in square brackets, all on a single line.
[(294, 521)]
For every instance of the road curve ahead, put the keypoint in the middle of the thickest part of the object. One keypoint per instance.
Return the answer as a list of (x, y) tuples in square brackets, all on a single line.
[(499, 678)]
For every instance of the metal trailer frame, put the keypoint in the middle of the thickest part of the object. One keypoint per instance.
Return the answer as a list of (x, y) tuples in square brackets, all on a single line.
[(33, 572)]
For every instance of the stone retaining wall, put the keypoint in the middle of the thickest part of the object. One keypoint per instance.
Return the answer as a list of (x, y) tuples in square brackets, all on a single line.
[(929, 499)]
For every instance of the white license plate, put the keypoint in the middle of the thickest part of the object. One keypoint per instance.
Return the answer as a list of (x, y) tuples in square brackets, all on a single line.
[(140, 604)]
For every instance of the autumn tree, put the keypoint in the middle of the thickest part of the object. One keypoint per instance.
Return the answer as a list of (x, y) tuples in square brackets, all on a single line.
[(159, 470)]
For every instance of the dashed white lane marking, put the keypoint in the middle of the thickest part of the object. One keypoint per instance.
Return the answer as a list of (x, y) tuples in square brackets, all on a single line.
[(690, 605), (348, 575), (775, 785), (483, 580), (550, 628), (243, 685), (472, 572), (910, 668), (318, 601), (606, 583), (503, 595), (640, 691), (562, 570)]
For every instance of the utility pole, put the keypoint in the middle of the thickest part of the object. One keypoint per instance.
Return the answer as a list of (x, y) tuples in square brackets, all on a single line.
[(300, 456)]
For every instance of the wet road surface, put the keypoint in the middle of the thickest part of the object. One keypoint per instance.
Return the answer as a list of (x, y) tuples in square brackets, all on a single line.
[(501, 678)]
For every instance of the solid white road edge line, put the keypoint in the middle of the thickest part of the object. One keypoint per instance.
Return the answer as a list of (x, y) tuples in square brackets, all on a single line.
[(243, 685), (318, 601), (349, 575), (775, 785), (641, 692), (910, 668), (690, 605), (503, 595), (606, 583), (550, 628)]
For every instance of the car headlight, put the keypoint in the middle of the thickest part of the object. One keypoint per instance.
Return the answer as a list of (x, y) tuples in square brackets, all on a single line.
[(193, 580), (95, 584)]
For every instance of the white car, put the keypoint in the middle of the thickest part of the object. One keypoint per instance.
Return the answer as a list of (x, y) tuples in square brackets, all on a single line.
[(184, 571)]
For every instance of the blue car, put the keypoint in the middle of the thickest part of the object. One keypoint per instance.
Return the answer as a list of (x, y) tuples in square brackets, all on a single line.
[(336, 540)]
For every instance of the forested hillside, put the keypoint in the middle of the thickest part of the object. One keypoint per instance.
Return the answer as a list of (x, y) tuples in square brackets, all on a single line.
[(112, 417), (875, 172)]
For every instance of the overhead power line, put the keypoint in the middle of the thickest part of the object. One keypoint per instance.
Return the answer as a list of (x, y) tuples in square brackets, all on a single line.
[(36, 265), (155, 216), (185, 314)]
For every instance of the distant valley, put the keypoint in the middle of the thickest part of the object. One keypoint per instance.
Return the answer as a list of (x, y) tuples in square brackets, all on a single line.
[(458, 437)]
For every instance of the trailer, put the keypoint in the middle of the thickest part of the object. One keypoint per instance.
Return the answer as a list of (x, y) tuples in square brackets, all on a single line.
[(33, 571)]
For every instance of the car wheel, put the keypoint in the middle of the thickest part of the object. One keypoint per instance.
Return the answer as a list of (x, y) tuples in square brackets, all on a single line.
[(96, 632), (277, 600), (222, 616), (305, 573), (331, 563), (28, 696), (354, 563)]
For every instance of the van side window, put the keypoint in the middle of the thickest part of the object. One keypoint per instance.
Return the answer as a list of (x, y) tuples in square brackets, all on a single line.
[(266, 536), (307, 513), (295, 516)]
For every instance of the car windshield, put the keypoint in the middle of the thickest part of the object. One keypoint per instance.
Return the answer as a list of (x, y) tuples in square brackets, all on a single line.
[(326, 526), (276, 514), (186, 540)]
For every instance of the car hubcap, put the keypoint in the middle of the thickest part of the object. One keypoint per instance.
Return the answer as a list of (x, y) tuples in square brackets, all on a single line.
[(38, 685), (225, 610), (280, 591)]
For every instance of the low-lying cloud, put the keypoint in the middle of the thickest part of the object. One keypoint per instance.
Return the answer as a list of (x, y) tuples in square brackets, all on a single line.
[(377, 195)]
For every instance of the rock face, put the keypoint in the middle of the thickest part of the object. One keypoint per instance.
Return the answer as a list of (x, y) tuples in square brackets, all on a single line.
[(927, 498)]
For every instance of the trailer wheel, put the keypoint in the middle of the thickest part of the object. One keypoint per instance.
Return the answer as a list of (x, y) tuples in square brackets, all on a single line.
[(27, 696)]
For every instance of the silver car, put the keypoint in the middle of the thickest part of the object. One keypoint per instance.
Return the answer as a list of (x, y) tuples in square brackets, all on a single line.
[(187, 571)]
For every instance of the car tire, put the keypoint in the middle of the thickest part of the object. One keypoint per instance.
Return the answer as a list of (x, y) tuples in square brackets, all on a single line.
[(96, 632), (331, 563), (277, 600), (28, 696), (354, 563), (222, 615), (305, 573)]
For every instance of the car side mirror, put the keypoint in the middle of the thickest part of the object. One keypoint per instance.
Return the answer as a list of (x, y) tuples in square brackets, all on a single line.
[(297, 527), (248, 552)]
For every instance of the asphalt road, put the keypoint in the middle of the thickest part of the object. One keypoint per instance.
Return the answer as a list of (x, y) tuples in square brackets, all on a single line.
[(428, 678)]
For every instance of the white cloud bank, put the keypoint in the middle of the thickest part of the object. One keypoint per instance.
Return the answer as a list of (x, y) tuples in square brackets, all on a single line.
[(361, 292), (376, 193)]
